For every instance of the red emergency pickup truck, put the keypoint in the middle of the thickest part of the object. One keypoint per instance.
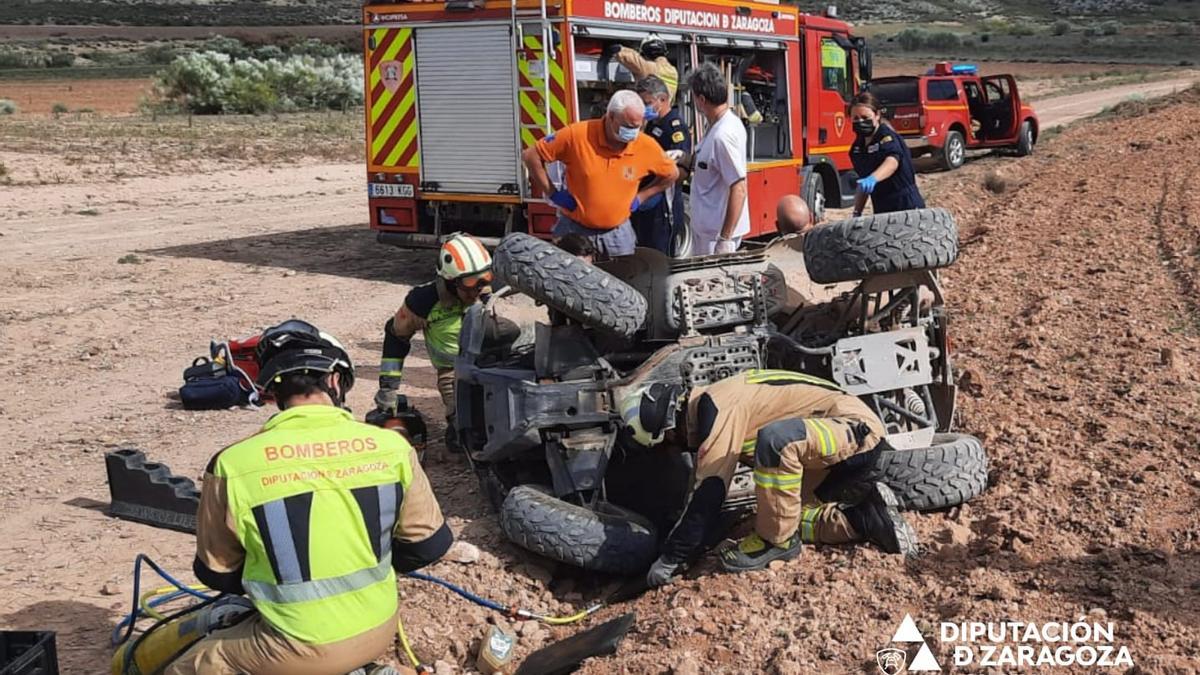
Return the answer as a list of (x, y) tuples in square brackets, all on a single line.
[(951, 109)]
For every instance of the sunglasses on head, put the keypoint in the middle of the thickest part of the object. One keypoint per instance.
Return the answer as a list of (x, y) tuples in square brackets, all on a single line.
[(476, 280)]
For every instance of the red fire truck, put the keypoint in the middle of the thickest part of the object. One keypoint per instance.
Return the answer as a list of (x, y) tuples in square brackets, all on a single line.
[(456, 89)]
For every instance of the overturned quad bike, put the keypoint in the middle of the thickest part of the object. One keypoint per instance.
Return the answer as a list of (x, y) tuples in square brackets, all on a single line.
[(856, 302)]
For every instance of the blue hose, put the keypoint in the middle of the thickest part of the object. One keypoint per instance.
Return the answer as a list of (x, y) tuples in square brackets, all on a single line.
[(135, 613), (461, 591)]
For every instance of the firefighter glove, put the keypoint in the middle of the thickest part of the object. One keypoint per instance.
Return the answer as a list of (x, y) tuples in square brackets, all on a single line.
[(564, 200), (725, 246), (612, 49), (662, 572), (867, 185)]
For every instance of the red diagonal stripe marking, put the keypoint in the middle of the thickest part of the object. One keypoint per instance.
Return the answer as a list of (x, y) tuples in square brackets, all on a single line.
[(380, 123), (381, 49), (397, 134), (408, 153)]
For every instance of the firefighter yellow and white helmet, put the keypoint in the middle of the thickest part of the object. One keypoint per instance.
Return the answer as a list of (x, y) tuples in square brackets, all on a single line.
[(464, 257), (650, 412)]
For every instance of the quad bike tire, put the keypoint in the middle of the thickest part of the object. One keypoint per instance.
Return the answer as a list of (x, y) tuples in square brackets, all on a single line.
[(952, 471), (565, 283), (612, 541), (887, 243)]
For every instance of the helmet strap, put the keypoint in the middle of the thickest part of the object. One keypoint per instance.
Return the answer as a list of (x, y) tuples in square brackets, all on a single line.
[(335, 394)]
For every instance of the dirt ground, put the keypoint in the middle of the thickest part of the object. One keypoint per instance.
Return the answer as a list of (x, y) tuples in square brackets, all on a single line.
[(115, 96), (1076, 333)]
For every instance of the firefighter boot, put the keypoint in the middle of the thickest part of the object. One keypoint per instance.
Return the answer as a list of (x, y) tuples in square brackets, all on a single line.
[(452, 443), (388, 402), (877, 519), (753, 553)]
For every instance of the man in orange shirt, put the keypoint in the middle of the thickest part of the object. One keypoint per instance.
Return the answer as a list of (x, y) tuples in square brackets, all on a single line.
[(605, 160)]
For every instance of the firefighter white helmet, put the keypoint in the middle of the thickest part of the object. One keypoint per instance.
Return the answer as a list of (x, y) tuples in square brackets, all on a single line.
[(464, 257)]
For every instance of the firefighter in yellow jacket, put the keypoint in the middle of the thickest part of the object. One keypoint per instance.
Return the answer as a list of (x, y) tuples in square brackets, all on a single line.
[(649, 59), (310, 518), (464, 270), (796, 430)]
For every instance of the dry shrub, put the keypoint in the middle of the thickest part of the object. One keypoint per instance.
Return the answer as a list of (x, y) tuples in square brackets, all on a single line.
[(995, 182)]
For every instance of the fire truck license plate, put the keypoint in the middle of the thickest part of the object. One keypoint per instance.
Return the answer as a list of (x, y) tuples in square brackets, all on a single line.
[(396, 190)]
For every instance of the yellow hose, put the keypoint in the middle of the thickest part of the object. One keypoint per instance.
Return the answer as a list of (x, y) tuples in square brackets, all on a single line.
[(560, 620), (144, 601), (407, 647)]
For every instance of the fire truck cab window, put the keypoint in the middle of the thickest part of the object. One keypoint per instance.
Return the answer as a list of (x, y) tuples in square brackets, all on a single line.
[(835, 69), (942, 90), (758, 80)]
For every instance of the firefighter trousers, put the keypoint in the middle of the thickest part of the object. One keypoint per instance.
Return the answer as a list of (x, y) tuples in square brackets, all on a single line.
[(791, 458), (254, 646)]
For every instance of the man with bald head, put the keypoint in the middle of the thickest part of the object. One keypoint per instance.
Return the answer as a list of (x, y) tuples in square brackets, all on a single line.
[(606, 160), (792, 216)]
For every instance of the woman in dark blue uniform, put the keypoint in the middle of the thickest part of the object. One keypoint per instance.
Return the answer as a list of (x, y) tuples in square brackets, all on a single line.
[(882, 160)]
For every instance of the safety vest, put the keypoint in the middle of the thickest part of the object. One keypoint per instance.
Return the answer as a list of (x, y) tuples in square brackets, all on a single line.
[(314, 497), (442, 327)]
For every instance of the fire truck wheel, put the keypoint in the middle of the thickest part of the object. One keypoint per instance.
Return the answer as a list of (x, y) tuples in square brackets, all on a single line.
[(954, 151), (1025, 139), (904, 241), (565, 283), (952, 471), (610, 539)]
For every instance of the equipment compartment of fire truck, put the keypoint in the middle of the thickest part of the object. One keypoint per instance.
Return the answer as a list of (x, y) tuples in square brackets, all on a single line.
[(457, 90)]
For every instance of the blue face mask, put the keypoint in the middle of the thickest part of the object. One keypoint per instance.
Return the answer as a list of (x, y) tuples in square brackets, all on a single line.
[(627, 134), (651, 113)]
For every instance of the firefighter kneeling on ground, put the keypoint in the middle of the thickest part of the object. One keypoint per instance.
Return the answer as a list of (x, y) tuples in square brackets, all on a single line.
[(797, 430), (464, 269), (311, 518)]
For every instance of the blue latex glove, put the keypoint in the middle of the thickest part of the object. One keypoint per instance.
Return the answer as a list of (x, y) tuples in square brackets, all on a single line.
[(867, 185), (564, 200), (637, 201), (652, 203)]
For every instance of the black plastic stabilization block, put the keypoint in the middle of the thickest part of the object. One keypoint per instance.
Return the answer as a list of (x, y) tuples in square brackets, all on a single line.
[(148, 493)]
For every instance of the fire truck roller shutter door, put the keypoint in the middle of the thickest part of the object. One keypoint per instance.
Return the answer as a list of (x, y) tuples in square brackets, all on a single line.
[(467, 107)]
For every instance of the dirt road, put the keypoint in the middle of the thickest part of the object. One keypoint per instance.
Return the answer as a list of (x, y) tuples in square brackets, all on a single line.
[(1064, 110), (1076, 334)]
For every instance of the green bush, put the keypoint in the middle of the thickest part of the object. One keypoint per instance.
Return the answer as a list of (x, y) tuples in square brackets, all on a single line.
[(61, 60), (212, 82), (12, 58), (59, 109), (1060, 27), (314, 47), (231, 47), (943, 40), (8, 107), (1022, 29), (1091, 31), (269, 52), (911, 39), (1110, 27), (160, 54)]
